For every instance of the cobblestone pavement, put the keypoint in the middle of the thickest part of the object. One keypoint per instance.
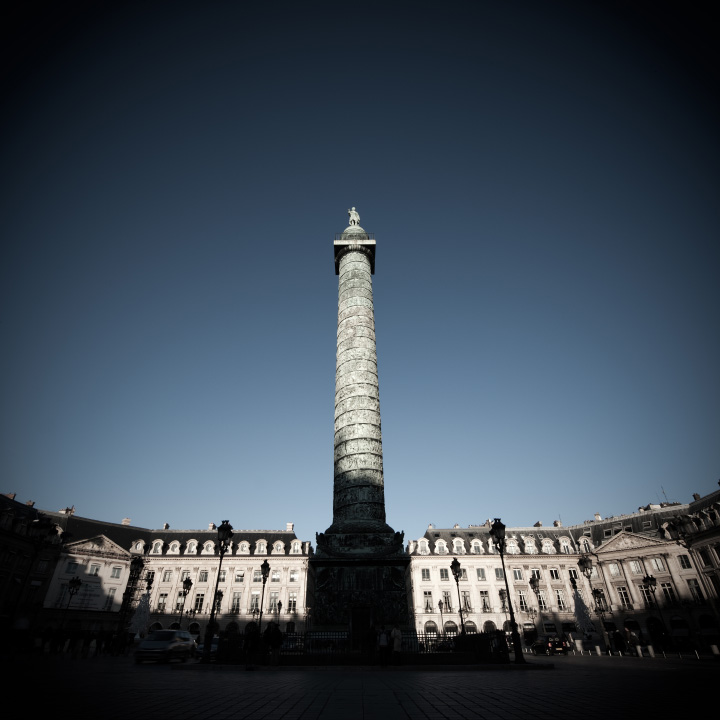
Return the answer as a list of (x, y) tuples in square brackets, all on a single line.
[(574, 687)]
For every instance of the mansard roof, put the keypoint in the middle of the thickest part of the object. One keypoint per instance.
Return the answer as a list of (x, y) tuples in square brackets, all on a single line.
[(125, 536)]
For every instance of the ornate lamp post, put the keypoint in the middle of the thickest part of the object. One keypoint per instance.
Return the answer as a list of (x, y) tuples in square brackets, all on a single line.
[(187, 586), (442, 624), (651, 584), (73, 589), (497, 532), (265, 570), (225, 533), (456, 571)]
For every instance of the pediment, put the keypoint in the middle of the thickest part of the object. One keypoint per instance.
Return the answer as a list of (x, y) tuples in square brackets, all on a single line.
[(629, 541), (98, 545)]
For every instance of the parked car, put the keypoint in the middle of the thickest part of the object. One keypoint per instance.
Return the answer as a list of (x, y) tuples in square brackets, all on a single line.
[(549, 645), (164, 645)]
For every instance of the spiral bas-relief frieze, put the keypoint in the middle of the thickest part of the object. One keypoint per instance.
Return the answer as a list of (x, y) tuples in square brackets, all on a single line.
[(358, 461)]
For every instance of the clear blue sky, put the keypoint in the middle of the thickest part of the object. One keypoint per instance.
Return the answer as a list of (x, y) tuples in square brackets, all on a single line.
[(542, 180)]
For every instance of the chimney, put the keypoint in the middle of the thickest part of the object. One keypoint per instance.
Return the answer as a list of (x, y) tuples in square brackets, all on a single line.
[(166, 526), (289, 527), (31, 503), (126, 521), (598, 516), (211, 526), (10, 496), (696, 496), (557, 523), (538, 524)]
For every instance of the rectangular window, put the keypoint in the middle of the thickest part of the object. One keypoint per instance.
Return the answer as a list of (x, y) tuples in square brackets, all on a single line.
[(647, 595), (167, 576), (425, 573), (150, 577), (560, 595), (542, 601), (292, 601), (294, 575), (517, 574), (463, 574), (522, 601), (499, 574), (110, 599), (465, 599), (427, 600), (614, 569), (203, 576), (444, 574), (71, 567), (554, 574), (255, 600), (257, 576), (236, 600), (94, 570), (535, 573), (685, 562), (657, 564), (115, 572), (221, 578), (705, 557), (636, 567), (668, 593), (180, 601), (624, 597), (199, 602), (275, 576), (573, 573), (695, 590), (484, 601), (274, 595), (239, 576), (447, 602), (481, 573), (162, 602), (184, 575)]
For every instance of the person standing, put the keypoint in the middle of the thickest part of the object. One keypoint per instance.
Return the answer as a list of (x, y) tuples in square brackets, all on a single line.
[(396, 637)]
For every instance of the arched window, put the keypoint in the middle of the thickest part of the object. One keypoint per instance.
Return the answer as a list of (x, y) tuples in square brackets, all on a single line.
[(530, 548), (547, 547), (208, 548), (458, 546), (441, 548), (423, 548), (260, 547), (476, 548), (565, 546), (157, 547), (512, 548), (243, 548), (191, 548), (279, 547), (296, 548), (585, 545), (430, 628), (175, 547), (470, 627), (450, 628), (489, 626)]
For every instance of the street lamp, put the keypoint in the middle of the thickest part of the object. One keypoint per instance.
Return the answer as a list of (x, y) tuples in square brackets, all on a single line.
[(265, 570), (455, 567), (73, 589), (187, 586), (225, 533), (442, 624), (651, 584), (497, 532)]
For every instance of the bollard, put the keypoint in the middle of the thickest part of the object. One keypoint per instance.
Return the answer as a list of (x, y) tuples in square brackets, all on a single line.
[(597, 650), (638, 650), (651, 651), (714, 649)]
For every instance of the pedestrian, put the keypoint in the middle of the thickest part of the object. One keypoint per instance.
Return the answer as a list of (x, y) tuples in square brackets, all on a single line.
[(251, 645), (273, 639), (383, 645), (396, 637)]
